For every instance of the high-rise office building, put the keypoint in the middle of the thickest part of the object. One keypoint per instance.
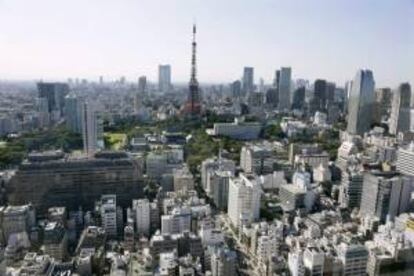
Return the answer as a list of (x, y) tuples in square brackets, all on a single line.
[(361, 103), (177, 222), (42, 106), (284, 84), (385, 194), (351, 189), (73, 113), (223, 262), (164, 78), (208, 166), (405, 160), (272, 97), (401, 109), (142, 84), (55, 241), (142, 90), (215, 176), (55, 93), (236, 89), (244, 200), (330, 93), (219, 187), (16, 219), (257, 159), (383, 101), (276, 79), (298, 101), (354, 258), (142, 216), (313, 259), (319, 96), (248, 80), (108, 214), (92, 129)]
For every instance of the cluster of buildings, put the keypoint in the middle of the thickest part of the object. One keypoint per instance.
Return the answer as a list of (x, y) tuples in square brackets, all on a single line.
[(285, 206)]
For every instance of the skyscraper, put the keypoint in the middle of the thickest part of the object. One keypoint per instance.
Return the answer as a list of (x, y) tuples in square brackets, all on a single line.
[(298, 101), (193, 105), (330, 93), (73, 113), (142, 89), (361, 103), (284, 88), (248, 80), (164, 78), (383, 102), (142, 84), (92, 129), (401, 109), (236, 89), (319, 96), (276, 79), (55, 93)]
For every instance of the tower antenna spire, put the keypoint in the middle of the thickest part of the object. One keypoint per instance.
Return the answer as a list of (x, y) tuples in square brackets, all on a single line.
[(194, 57), (193, 105)]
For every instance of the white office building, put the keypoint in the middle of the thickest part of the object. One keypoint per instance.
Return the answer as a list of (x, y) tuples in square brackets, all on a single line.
[(215, 164), (313, 260), (295, 263), (238, 130), (108, 214), (257, 159), (177, 222), (385, 194), (142, 210), (183, 180), (405, 160), (354, 258), (244, 199)]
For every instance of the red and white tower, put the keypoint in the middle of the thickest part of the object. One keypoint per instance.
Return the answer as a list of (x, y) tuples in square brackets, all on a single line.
[(193, 105)]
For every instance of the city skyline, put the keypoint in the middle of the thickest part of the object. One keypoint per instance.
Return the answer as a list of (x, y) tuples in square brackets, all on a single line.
[(87, 40)]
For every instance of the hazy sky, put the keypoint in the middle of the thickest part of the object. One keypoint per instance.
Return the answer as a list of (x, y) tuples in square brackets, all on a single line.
[(57, 39)]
